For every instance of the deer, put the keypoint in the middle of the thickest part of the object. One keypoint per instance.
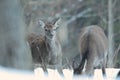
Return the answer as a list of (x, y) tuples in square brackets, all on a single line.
[(46, 49), (93, 45)]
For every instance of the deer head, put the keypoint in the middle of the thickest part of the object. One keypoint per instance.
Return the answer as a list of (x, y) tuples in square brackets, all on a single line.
[(50, 27)]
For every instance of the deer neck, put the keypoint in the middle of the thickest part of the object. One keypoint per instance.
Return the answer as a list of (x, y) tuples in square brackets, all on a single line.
[(51, 44)]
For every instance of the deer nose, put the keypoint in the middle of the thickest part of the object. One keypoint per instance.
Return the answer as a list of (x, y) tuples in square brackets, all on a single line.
[(52, 33)]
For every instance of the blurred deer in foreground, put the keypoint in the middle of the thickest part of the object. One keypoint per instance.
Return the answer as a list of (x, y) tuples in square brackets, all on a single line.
[(46, 49), (93, 50)]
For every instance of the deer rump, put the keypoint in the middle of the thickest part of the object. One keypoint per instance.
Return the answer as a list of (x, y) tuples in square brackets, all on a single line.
[(37, 43), (93, 50)]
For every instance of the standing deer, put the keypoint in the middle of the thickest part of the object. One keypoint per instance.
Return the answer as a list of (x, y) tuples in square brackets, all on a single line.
[(93, 50), (46, 49)]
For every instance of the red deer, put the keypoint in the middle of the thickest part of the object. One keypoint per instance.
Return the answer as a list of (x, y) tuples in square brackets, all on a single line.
[(93, 50), (46, 49)]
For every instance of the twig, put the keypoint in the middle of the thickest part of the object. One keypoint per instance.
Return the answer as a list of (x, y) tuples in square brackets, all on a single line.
[(116, 52)]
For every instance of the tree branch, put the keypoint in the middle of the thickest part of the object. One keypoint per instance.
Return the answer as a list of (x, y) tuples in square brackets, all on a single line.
[(74, 17)]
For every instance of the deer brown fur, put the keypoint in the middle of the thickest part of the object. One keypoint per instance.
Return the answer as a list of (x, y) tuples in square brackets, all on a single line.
[(93, 50)]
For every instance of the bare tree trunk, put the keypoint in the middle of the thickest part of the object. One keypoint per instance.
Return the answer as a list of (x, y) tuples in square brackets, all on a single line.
[(110, 34), (14, 51)]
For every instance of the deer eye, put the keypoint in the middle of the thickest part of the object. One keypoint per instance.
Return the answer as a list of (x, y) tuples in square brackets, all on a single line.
[(46, 29)]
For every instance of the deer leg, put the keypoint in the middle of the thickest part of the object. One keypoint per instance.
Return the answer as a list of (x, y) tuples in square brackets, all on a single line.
[(59, 68), (89, 67), (103, 68), (44, 66), (103, 71), (80, 68)]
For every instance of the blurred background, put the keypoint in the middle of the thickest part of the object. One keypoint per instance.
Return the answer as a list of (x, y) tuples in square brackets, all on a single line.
[(76, 14)]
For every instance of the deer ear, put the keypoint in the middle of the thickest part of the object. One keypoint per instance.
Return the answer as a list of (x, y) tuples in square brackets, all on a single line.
[(41, 23), (57, 23)]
